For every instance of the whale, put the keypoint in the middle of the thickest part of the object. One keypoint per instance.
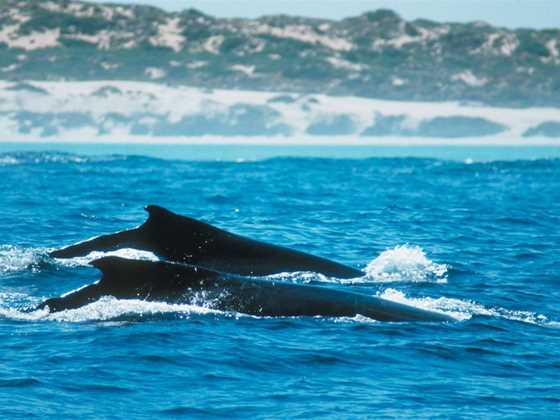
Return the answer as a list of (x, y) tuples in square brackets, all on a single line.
[(181, 239), (180, 283)]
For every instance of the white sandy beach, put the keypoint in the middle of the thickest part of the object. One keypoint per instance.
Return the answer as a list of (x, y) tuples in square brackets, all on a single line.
[(109, 111)]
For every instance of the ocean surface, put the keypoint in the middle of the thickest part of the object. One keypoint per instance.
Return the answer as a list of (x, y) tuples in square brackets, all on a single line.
[(471, 232)]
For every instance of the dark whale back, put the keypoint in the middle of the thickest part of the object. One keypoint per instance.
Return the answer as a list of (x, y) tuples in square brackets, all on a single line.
[(182, 239), (172, 282), (191, 241), (137, 279)]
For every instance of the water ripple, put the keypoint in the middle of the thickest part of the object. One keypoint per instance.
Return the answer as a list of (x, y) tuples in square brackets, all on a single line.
[(474, 239)]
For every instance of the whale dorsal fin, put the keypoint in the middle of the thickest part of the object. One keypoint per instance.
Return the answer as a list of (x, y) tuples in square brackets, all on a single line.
[(158, 213), (155, 210), (160, 216), (118, 266), (127, 271)]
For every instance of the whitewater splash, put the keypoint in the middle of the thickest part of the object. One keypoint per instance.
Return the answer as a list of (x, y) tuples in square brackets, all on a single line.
[(15, 259), (463, 309), (107, 308), (405, 263), (129, 253)]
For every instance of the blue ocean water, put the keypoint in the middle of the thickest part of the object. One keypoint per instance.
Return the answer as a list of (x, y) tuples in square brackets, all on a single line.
[(473, 233)]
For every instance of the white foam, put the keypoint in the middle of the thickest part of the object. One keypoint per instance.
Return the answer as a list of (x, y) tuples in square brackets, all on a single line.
[(405, 263), (16, 315), (464, 309), (106, 308), (14, 258), (301, 277), (129, 253), (8, 160), (16, 159), (11, 298), (360, 319)]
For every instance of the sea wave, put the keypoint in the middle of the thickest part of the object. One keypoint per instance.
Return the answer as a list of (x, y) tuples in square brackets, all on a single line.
[(403, 263), (6, 160), (107, 308), (463, 309), (37, 158), (15, 259), (274, 155)]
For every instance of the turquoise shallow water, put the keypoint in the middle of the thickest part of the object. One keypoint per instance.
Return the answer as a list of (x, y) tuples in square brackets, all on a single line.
[(235, 152), (472, 232)]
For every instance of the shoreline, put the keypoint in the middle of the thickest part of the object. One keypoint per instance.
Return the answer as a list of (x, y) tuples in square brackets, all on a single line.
[(105, 112), (240, 151)]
